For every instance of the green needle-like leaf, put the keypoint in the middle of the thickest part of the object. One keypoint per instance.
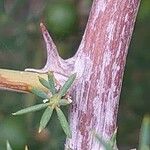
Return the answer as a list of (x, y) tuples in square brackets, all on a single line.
[(64, 102), (45, 118), (144, 139), (8, 146), (31, 109), (51, 83), (106, 145), (67, 85), (113, 139), (63, 122), (39, 93), (26, 147), (44, 82)]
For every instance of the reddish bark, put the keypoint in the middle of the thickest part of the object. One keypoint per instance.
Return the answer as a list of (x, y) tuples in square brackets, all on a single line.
[(100, 63)]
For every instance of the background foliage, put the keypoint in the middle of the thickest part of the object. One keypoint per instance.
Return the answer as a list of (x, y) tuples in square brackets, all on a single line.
[(22, 46)]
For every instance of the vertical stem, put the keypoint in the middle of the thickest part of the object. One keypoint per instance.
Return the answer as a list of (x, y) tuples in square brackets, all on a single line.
[(100, 63)]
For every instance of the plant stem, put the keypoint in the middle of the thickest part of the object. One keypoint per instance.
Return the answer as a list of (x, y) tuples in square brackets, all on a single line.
[(20, 80)]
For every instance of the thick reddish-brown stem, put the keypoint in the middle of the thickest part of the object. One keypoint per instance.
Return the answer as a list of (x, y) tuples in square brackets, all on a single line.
[(100, 63)]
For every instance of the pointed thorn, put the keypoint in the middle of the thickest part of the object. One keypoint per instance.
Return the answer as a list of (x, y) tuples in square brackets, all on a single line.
[(52, 54), (43, 28), (39, 130)]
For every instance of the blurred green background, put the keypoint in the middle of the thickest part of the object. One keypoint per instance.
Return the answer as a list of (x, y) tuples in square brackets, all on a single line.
[(22, 46)]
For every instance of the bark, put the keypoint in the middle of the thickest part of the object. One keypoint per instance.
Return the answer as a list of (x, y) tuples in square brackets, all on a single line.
[(99, 64)]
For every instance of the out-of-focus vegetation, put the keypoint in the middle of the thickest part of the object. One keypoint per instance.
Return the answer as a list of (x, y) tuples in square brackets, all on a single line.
[(22, 46)]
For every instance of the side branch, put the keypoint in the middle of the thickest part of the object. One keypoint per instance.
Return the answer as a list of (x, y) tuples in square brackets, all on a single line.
[(20, 80)]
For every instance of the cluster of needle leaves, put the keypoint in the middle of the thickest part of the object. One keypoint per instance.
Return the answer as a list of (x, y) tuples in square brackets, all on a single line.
[(51, 102)]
